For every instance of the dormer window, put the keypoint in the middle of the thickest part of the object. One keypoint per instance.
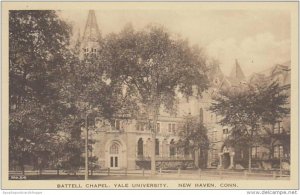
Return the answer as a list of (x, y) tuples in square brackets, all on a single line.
[(225, 131), (86, 51), (94, 51)]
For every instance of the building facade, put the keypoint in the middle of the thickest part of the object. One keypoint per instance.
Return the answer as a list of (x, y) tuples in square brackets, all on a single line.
[(126, 142)]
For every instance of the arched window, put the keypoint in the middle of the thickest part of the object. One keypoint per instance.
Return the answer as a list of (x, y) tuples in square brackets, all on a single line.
[(172, 148), (156, 147), (114, 149), (140, 147), (201, 115)]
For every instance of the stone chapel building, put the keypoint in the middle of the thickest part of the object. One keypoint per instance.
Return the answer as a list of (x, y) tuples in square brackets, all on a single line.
[(127, 143)]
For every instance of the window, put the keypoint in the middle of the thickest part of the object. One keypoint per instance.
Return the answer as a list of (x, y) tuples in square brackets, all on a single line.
[(225, 131), (140, 147), (214, 155), (98, 122), (156, 147), (94, 51), (277, 128), (86, 51), (117, 125), (278, 151), (114, 149), (172, 148), (174, 128), (158, 127), (170, 127), (254, 152), (201, 115)]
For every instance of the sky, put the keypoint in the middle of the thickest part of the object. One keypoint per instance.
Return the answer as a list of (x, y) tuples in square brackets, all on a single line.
[(257, 39)]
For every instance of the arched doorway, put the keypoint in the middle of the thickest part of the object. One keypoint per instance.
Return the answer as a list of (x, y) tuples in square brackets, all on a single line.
[(114, 156), (226, 158), (172, 148)]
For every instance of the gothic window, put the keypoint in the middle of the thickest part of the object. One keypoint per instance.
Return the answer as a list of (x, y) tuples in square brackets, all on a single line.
[(140, 147), (158, 127), (201, 115), (277, 128), (172, 148), (278, 151), (114, 149), (156, 147), (254, 152), (117, 125)]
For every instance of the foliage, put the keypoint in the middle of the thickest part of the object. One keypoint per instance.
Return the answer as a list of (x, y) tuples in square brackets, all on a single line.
[(38, 41), (154, 68), (248, 110), (193, 135), (153, 65)]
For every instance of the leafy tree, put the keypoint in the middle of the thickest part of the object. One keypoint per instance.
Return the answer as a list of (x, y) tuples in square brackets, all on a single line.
[(154, 67), (193, 137), (246, 111), (38, 42)]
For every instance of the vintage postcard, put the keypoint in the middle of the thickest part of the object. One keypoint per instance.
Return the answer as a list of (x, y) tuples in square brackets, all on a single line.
[(150, 95)]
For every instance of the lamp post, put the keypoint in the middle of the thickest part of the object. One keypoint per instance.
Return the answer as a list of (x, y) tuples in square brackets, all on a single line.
[(86, 175)]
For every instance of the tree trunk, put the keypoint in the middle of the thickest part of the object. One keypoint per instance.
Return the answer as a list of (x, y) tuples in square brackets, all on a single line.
[(196, 158), (250, 159), (155, 113)]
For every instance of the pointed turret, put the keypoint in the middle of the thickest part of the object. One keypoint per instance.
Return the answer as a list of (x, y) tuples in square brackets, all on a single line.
[(91, 30), (236, 76), (237, 72), (90, 42)]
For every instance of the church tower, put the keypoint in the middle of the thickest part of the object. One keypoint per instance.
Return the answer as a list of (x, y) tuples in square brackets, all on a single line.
[(90, 41), (237, 76), (237, 72)]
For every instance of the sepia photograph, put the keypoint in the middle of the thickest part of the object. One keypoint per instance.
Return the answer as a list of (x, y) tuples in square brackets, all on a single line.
[(150, 94)]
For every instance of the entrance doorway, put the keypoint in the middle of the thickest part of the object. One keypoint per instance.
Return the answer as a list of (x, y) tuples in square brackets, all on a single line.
[(226, 160), (114, 156)]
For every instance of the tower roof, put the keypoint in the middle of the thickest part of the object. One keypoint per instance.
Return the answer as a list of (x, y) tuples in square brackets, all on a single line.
[(91, 31), (237, 73)]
